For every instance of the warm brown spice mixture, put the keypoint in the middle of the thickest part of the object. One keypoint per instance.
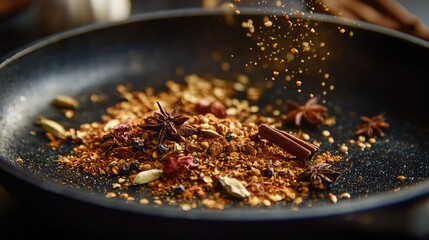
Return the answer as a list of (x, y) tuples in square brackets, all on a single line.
[(193, 144)]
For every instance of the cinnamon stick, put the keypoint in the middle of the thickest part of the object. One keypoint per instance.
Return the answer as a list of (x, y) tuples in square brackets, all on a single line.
[(301, 149)]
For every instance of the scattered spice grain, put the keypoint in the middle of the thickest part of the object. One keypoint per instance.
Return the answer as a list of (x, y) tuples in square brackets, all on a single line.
[(401, 177), (190, 154), (65, 102), (19, 160), (332, 197), (345, 195), (110, 195)]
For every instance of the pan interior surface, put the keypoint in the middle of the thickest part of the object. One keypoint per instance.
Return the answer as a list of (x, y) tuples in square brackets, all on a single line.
[(373, 72)]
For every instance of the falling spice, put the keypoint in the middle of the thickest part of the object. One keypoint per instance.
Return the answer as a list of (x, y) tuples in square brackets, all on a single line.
[(289, 44)]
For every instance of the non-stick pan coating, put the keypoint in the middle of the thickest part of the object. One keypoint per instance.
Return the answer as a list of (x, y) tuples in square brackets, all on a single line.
[(376, 70)]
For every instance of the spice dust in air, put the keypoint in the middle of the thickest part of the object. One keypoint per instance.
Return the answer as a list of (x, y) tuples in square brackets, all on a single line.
[(290, 44)]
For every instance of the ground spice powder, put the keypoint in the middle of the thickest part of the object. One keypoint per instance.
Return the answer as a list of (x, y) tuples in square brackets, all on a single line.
[(226, 145)]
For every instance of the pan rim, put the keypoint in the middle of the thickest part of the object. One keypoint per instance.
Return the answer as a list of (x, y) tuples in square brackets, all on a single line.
[(375, 201), (188, 12)]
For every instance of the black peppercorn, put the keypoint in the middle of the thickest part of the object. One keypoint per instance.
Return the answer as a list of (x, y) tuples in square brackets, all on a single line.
[(162, 148), (269, 172), (179, 189), (195, 160), (125, 168), (134, 165), (137, 145), (229, 136)]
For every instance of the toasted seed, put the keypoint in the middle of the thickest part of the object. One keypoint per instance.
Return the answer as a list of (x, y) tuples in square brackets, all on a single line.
[(111, 124), (186, 207), (68, 113), (130, 199), (401, 177), (147, 176), (209, 134), (326, 133), (19, 160), (177, 147), (234, 187), (344, 148), (210, 203), (345, 195), (65, 101), (52, 127), (110, 195), (332, 198), (207, 179), (80, 134)]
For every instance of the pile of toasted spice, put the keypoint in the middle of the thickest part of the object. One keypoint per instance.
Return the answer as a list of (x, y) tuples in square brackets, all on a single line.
[(195, 144)]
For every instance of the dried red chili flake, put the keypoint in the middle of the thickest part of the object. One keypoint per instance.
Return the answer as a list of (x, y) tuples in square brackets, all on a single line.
[(123, 152), (120, 141), (175, 165)]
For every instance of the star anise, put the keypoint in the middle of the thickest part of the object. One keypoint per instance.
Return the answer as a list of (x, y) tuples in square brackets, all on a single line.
[(169, 125), (371, 126), (312, 112), (319, 176)]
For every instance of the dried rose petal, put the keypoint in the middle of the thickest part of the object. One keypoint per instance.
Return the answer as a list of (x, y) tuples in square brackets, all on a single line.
[(214, 107), (121, 132), (218, 109), (175, 165), (203, 106)]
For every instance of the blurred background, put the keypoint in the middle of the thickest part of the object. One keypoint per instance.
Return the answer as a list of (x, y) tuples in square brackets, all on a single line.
[(24, 21)]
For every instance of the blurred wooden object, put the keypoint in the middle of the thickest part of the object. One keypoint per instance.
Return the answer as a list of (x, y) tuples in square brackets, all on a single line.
[(10, 7), (59, 15), (387, 13)]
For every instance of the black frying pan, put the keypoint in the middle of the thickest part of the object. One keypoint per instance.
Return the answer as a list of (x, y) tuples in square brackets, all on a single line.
[(377, 70)]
